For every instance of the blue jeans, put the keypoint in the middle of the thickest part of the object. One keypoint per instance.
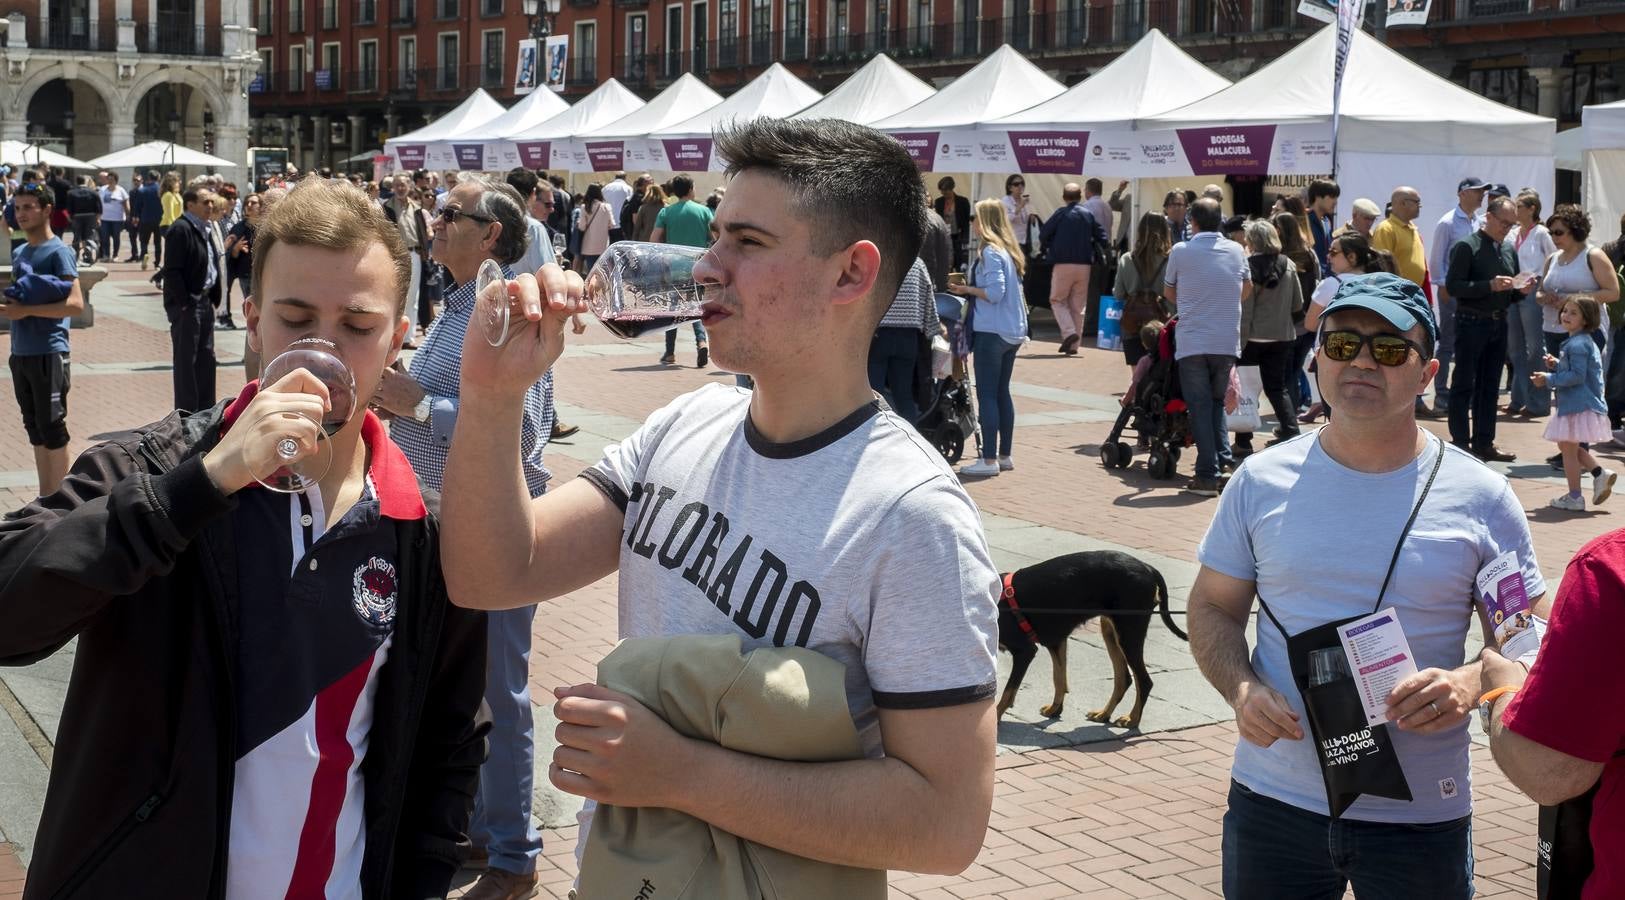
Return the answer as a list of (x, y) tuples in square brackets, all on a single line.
[(1475, 385), (502, 823), (1446, 349), (892, 356), (994, 361), (1203, 379), (1525, 347), (111, 233), (671, 338), (1275, 850)]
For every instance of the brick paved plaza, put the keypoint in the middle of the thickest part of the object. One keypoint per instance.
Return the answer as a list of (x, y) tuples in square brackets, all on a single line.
[(1081, 810)]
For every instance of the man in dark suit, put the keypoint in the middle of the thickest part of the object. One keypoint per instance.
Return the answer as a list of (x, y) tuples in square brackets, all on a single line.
[(954, 210), (192, 282)]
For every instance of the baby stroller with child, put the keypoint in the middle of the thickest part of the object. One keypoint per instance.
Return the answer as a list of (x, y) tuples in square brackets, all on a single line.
[(951, 414), (1156, 411)]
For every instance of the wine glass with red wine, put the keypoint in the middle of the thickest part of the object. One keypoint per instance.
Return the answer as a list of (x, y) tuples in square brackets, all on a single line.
[(319, 358), (635, 288)]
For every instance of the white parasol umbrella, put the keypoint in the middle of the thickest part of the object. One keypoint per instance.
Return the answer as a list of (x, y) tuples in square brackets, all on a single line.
[(159, 153), (20, 151)]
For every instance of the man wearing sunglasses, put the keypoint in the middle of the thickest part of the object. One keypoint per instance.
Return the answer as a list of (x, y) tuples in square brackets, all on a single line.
[(1359, 479)]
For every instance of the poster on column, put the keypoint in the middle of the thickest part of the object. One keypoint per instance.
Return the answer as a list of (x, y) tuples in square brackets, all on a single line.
[(1408, 12), (558, 47), (524, 80)]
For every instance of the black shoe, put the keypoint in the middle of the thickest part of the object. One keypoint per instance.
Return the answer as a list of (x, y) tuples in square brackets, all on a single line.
[(704, 356), (1555, 461), (1204, 487), (1493, 453), (1069, 344)]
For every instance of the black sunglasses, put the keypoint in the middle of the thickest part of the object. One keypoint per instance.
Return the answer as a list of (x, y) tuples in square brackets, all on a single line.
[(451, 214), (1386, 349)]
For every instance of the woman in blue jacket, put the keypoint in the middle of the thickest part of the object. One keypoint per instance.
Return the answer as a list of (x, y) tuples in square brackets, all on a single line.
[(999, 326)]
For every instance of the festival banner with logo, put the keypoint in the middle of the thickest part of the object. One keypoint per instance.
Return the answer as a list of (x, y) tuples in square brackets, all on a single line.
[(687, 154), (412, 156), (534, 154), (1056, 152), (558, 47), (1408, 12), (606, 156), (1237, 150), (921, 147), (524, 79), (469, 156)]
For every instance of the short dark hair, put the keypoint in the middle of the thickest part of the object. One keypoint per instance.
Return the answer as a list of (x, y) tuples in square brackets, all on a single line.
[(39, 190), (190, 195), (852, 182), (682, 186), (1573, 218), (1206, 215), (1323, 187), (1094, 186), (945, 183), (522, 180), (1171, 197)]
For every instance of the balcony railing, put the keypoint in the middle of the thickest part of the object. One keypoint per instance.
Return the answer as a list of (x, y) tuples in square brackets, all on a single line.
[(326, 80), (583, 71), (70, 33), (490, 76), (361, 81), (404, 82), (177, 36), (445, 78), (1497, 7)]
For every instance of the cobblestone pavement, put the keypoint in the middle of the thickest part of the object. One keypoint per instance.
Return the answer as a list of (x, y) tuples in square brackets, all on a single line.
[(1080, 810)]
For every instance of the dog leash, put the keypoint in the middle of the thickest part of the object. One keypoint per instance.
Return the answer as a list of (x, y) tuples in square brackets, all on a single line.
[(1008, 596)]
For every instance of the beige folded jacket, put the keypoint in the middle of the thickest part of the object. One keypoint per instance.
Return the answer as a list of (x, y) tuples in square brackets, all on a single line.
[(785, 703)]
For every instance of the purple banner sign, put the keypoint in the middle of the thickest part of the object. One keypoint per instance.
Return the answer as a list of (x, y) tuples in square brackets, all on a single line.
[(1238, 150), (606, 156), (536, 154), (469, 156), (1057, 152), (688, 154), (921, 146), (411, 156)]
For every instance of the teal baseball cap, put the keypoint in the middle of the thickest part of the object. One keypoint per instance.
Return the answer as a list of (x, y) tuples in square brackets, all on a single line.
[(1396, 299)]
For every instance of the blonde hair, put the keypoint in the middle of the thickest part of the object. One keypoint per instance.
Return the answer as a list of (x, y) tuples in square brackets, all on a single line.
[(332, 216), (996, 232)]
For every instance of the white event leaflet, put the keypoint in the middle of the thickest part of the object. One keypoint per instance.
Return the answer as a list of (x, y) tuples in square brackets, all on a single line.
[(1379, 658)]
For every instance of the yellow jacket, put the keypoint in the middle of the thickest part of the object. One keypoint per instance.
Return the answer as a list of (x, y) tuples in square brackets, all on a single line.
[(783, 703), (172, 208)]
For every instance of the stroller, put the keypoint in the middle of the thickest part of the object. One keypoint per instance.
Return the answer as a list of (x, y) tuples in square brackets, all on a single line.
[(951, 415), (1158, 414)]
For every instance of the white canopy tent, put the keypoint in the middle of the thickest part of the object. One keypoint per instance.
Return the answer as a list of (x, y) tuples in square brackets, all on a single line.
[(547, 146), (620, 145), (34, 154), (429, 146), (881, 88), (1602, 172), (535, 109), (686, 146), (1401, 124), (159, 154)]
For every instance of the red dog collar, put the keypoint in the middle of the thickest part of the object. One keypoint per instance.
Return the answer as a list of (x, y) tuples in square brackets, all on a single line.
[(1008, 597)]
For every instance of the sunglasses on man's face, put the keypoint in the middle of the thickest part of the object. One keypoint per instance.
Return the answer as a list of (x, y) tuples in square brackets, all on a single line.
[(451, 214), (1386, 349)]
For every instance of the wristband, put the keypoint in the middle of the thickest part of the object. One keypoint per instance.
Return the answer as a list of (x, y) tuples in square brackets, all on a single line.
[(1491, 696)]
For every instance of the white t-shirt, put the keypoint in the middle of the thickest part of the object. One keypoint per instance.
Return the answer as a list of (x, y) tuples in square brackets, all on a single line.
[(858, 543), (616, 193), (1271, 528), (114, 199)]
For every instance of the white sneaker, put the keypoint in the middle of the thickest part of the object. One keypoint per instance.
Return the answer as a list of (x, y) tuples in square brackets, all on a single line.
[(1602, 486), (1006, 464), (980, 468), (1567, 502)]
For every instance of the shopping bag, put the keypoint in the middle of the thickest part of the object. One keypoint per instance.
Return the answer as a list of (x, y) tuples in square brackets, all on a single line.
[(1110, 336), (1246, 419)]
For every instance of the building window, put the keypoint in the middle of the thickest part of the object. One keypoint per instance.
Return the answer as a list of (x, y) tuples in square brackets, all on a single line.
[(1590, 84), (296, 16), (700, 42), (296, 68), (491, 7), (446, 9), (406, 73), (1018, 28), (330, 14), (366, 12), (327, 78), (367, 70), (671, 66), (265, 78), (1509, 86), (491, 71), (586, 56), (450, 58), (264, 18), (880, 23), (921, 26), (795, 29), (966, 43), (839, 27), (637, 47)]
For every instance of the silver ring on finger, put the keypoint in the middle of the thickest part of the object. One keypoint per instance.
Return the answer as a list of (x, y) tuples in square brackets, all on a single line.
[(1433, 705)]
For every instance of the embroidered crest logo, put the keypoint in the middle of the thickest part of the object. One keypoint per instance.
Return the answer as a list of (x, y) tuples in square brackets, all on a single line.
[(374, 598)]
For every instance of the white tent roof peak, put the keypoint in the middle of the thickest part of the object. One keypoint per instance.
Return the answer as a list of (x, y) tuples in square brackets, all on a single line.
[(608, 102), (880, 89), (537, 107), (1151, 77), (1604, 126), (478, 109), (683, 99), (777, 92), (1390, 104), (1004, 83)]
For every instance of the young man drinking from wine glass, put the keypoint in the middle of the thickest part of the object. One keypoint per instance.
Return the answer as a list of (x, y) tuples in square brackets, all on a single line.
[(271, 694), (882, 566)]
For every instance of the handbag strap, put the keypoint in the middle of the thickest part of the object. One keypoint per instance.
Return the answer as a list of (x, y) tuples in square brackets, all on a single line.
[(1398, 545)]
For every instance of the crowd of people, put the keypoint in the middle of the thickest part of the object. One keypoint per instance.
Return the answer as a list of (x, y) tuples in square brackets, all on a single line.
[(271, 744)]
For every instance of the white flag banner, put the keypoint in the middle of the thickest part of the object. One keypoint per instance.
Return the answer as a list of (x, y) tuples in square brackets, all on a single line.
[(1349, 14), (1321, 10), (524, 80), (1408, 12), (558, 48)]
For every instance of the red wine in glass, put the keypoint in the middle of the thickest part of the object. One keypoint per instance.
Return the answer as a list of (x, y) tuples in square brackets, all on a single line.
[(633, 324), (638, 287)]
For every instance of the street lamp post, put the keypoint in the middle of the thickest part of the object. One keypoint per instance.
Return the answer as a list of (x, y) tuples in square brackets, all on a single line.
[(540, 14)]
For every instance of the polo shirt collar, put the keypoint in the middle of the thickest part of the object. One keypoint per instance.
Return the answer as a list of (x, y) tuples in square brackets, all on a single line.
[(399, 497)]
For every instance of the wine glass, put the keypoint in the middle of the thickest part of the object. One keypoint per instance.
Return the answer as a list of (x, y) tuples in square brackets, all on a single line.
[(559, 245), (319, 358), (493, 305), (637, 287)]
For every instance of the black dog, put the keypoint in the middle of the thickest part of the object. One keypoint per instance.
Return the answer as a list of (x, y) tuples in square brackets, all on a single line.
[(1116, 586)]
